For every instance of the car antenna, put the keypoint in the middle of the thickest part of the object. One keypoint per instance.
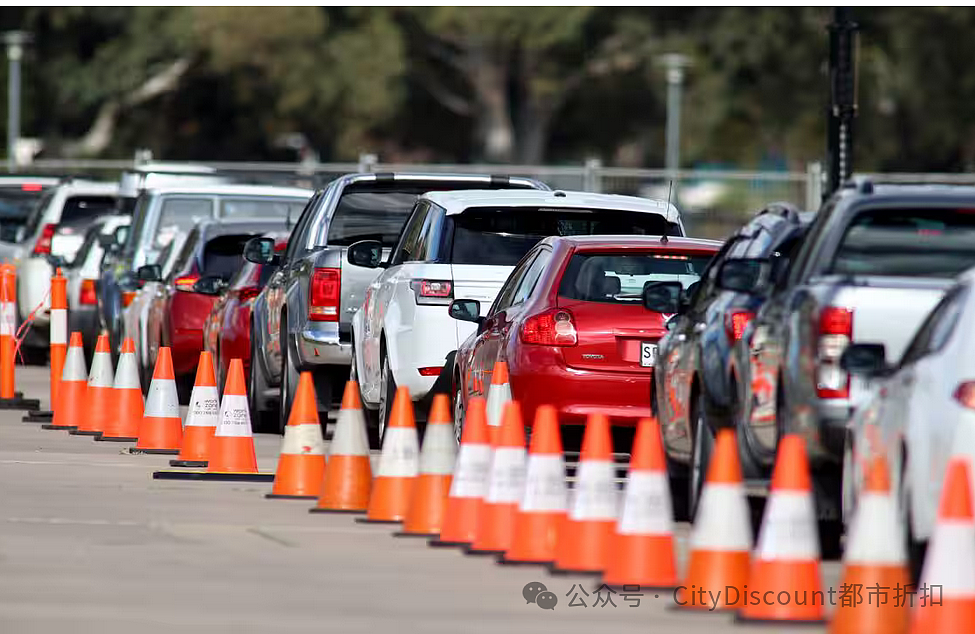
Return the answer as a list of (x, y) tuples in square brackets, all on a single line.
[(287, 219), (670, 191)]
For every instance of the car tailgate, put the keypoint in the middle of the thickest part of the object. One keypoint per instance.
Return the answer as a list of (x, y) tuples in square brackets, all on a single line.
[(355, 282)]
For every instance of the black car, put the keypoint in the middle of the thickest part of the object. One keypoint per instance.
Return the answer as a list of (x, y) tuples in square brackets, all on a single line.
[(696, 384)]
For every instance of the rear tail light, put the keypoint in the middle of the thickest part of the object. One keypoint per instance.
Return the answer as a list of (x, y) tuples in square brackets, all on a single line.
[(185, 282), (127, 298), (552, 328), (965, 394), (433, 292), (835, 334), (43, 246), (325, 294), (87, 296), (31, 187), (248, 293), (735, 322), (435, 371)]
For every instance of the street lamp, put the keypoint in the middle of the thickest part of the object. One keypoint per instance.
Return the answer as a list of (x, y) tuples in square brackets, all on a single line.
[(675, 64), (15, 42)]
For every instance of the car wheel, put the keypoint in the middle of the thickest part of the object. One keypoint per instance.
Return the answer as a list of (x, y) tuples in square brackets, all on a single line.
[(261, 418), (458, 409), (387, 392), (703, 443), (368, 414), (289, 379), (916, 549), (850, 480)]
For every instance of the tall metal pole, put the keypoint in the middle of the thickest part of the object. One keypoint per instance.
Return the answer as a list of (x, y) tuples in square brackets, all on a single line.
[(15, 41), (843, 98), (675, 65)]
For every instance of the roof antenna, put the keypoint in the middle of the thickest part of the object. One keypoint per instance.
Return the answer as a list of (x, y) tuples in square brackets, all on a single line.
[(670, 191)]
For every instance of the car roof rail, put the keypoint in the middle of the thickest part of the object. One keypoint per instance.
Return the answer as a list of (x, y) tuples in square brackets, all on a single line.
[(861, 184), (783, 209)]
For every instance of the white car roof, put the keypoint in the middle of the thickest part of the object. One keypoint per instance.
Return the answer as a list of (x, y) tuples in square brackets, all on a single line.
[(233, 190), (455, 202), (75, 188)]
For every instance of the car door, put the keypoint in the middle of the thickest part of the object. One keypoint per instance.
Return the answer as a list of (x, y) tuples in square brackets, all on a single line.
[(484, 351)]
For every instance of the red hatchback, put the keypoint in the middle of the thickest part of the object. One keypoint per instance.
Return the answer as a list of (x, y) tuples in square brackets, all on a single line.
[(227, 331), (571, 325)]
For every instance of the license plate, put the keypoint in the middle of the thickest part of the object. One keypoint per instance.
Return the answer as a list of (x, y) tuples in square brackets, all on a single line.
[(648, 354)]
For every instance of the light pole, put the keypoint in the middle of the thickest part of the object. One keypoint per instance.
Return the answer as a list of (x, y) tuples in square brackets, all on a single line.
[(15, 42), (675, 64)]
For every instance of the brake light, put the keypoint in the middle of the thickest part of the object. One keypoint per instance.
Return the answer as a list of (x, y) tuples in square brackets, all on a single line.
[(324, 294), (552, 328), (43, 246), (248, 293), (433, 292), (835, 334), (31, 187), (185, 282), (735, 322), (965, 394), (87, 296), (432, 371)]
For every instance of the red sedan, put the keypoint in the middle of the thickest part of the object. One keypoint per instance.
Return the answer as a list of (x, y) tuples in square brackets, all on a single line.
[(211, 255), (571, 325), (227, 332)]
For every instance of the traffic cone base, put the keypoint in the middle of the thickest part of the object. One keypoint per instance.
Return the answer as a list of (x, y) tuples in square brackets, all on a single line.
[(203, 414), (430, 505), (461, 518), (296, 474), (496, 528), (633, 551), (389, 499), (233, 454), (799, 578), (885, 618), (730, 568), (597, 537), (346, 486), (125, 425), (159, 434), (536, 535), (196, 443)]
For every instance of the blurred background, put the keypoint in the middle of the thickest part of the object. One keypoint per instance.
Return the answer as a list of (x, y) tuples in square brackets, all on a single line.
[(582, 97)]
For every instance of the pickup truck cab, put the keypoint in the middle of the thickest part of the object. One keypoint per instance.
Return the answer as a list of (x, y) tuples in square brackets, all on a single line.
[(302, 320), (876, 260)]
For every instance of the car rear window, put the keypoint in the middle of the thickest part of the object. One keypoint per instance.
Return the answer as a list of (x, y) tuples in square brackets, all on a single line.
[(223, 256), (370, 216), (502, 237), (79, 211), (908, 242), (615, 278), (262, 208)]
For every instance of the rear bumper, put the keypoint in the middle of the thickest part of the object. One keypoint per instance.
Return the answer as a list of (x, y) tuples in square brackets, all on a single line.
[(323, 343)]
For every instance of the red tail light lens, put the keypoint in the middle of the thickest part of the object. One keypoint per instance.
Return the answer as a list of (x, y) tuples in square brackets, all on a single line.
[(43, 246), (551, 328), (248, 293), (434, 371), (965, 394), (31, 187), (325, 294), (185, 282), (87, 295), (835, 334), (433, 292), (735, 322)]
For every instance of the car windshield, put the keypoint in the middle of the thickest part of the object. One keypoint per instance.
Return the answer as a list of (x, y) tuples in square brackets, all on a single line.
[(370, 216), (616, 278), (908, 242), (503, 236)]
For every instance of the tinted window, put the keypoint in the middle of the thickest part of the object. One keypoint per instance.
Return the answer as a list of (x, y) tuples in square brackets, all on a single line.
[(911, 242), (81, 210), (296, 244), (223, 256), (408, 249), (139, 217), (506, 296), (619, 279), (370, 216), (185, 260), (530, 280), (248, 273), (16, 207), (179, 215), (501, 237), (262, 208)]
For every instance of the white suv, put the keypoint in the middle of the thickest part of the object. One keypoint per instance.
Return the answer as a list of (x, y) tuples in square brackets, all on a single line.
[(463, 245)]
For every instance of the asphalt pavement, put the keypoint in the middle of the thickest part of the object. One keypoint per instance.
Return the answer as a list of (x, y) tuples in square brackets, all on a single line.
[(89, 542)]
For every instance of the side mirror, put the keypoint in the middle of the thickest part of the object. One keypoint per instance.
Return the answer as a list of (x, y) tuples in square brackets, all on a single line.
[(366, 253), (121, 234), (466, 310), (868, 360), (149, 273), (209, 285), (261, 251), (663, 297), (106, 240), (749, 276)]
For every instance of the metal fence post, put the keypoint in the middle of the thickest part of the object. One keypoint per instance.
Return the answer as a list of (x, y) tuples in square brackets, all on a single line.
[(814, 185), (142, 156), (367, 162), (592, 180)]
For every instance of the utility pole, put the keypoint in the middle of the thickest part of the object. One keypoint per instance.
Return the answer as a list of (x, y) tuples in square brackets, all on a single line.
[(15, 42), (675, 64), (843, 98)]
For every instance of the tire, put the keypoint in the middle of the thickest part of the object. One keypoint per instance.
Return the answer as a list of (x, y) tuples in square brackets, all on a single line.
[(703, 445), (458, 409), (262, 419), (916, 550), (387, 392), (289, 379), (831, 539)]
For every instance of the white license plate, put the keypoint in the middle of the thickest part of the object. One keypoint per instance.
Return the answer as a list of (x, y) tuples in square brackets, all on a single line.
[(648, 354)]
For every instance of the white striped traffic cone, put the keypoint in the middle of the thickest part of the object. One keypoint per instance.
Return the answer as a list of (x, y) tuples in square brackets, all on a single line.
[(348, 470), (398, 466), (70, 408), (437, 455), (499, 394), (201, 418), (100, 399), (161, 431), (129, 402), (301, 464)]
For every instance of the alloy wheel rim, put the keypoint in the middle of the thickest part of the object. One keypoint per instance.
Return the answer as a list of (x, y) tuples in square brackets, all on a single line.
[(458, 416)]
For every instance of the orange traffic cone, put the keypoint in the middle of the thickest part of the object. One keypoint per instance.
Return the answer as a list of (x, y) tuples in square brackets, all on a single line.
[(232, 446), (437, 455), (949, 604), (348, 472), (129, 404), (585, 539), (642, 551), (787, 557), (58, 329), (499, 394), (301, 464), (542, 509), (201, 418), (721, 539), (506, 485), (100, 403), (161, 431), (398, 466), (875, 557), (70, 407), (469, 484)]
